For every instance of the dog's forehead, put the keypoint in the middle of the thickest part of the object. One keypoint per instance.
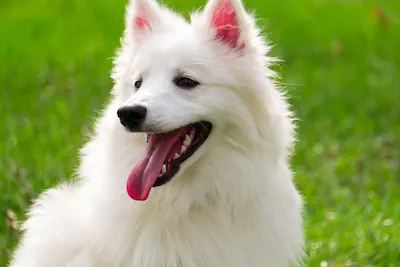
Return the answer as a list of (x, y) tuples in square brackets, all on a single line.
[(171, 48)]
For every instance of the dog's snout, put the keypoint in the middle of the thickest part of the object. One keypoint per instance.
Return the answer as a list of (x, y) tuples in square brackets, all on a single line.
[(132, 117)]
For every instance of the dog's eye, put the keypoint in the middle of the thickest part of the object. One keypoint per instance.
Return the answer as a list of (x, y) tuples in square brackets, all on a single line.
[(185, 82), (138, 83)]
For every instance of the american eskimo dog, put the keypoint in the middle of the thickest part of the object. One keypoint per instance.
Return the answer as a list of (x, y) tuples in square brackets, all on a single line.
[(188, 165)]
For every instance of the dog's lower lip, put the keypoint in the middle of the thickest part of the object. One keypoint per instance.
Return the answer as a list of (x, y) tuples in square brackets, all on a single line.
[(202, 131)]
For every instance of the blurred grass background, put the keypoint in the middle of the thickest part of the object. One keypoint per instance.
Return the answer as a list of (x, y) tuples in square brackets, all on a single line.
[(341, 67)]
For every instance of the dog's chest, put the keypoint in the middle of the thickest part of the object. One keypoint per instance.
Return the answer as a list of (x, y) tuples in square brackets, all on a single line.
[(185, 244), (194, 252)]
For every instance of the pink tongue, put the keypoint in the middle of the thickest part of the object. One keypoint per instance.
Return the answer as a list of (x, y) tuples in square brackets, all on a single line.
[(145, 173)]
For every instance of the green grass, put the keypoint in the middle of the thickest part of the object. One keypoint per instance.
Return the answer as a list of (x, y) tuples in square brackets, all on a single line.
[(341, 67)]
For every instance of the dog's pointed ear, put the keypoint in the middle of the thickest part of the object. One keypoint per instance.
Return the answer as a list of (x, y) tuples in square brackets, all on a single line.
[(227, 21), (142, 17)]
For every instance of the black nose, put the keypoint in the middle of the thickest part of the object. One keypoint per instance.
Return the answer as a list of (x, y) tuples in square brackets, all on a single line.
[(132, 117)]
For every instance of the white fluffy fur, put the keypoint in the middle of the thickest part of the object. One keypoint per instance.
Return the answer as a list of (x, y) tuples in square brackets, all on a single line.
[(233, 204)]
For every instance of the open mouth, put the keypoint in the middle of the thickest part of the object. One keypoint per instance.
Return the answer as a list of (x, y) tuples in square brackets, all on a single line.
[(164, 154)]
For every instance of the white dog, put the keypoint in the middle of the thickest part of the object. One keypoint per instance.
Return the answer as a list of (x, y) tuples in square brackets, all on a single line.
[(189, 163)]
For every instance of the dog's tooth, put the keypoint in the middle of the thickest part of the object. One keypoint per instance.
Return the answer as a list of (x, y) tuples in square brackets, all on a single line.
[(183, 148), (164, 169), (192, 132), (176, 156), (187, 141)]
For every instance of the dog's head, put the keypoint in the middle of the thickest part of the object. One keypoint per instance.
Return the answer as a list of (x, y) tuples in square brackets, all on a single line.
[(191, 85)]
